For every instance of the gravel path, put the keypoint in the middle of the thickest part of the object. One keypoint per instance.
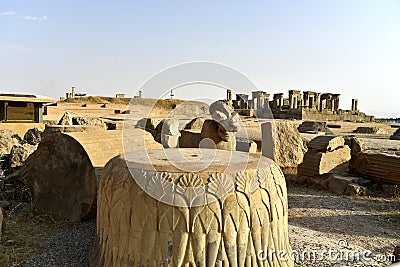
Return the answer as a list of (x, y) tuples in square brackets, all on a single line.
[(69, 246)]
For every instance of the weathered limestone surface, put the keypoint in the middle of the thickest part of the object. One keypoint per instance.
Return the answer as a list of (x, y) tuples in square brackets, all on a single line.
[(19, 154), (325, 143), (102, 145), (170, 127), (225, 115), (135, 229), (195, 124), (282, 141), (378, 165), (66, 119), (95, 122), (61, 177), (170, 133), (318, 163), (149, 125), (326, 154), (340, 184), (375, 158), (170, 141), (8, 139)]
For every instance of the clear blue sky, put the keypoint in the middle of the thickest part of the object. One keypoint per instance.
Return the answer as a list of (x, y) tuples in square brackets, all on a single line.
[(104, 47)]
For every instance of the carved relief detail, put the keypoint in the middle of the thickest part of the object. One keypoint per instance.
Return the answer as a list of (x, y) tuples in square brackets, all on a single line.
[(135, 229)]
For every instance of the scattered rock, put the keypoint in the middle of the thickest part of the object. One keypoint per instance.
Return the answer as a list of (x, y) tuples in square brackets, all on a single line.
[(66, 119), (8, 139), (369, 130), (95, 122), (354, 189), (338, 184), (33, 136), (18, 156), (313, 127), (61, 178), (396, 135), (282, 141), (196, 124)]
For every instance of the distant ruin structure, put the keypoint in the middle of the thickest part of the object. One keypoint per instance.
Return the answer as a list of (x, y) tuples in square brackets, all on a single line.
[(22, 108), (308, 105), (73, 93)]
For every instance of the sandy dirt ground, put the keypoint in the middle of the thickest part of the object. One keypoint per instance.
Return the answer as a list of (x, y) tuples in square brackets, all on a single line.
[(358, 231)]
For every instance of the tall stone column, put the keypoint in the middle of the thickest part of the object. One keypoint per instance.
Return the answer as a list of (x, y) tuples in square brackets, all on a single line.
[(354, 104)]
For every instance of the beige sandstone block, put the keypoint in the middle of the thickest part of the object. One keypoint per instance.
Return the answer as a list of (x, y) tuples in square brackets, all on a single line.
[(326, 143)]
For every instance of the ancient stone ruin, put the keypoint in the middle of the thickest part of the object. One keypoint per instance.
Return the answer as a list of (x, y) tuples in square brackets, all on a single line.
[(308, 105), (200, 229)]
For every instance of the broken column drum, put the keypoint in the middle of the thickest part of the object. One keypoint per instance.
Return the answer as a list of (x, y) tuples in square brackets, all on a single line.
[(232, 211)]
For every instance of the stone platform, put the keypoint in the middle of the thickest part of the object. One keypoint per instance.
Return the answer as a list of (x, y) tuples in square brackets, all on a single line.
[(191, 207)]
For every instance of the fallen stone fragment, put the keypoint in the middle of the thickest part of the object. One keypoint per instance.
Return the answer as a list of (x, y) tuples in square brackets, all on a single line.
[(66, 119), (326, 143), (318, 163), (61, 178), (33, 136)]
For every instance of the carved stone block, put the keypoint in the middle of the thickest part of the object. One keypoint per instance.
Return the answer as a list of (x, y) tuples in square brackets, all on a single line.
[(222, 209)]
